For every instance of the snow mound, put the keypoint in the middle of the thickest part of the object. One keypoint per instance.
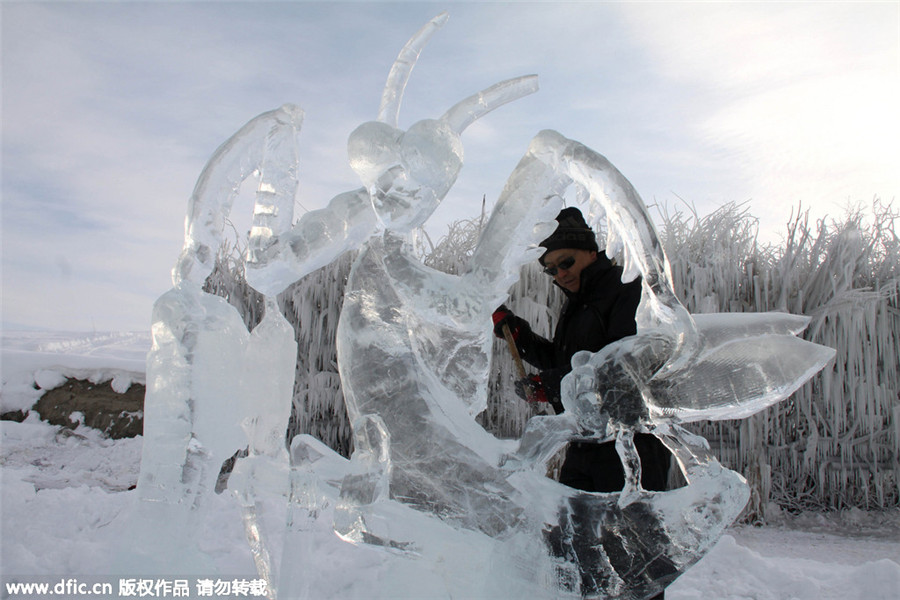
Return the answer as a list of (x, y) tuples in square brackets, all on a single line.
[(732, 570), (33, 362)]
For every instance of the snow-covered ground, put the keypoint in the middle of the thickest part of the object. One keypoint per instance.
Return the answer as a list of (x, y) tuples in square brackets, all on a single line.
[(65, 494)]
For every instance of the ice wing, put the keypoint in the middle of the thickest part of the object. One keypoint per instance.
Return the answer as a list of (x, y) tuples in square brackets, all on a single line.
[(746, 363)]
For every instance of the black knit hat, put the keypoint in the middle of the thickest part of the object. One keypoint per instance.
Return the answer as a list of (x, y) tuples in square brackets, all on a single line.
[(572, 232)]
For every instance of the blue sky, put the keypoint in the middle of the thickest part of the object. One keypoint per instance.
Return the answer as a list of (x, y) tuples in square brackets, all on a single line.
[(111, 109)]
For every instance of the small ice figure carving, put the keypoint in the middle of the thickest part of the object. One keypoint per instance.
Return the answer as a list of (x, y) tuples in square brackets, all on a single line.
[(213, 386), (431, 501)]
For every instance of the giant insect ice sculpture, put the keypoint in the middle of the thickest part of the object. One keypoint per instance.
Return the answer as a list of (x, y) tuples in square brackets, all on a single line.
[(433, 503)]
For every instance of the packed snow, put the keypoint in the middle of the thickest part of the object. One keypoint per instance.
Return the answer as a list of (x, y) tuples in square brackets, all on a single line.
[(65, 493)]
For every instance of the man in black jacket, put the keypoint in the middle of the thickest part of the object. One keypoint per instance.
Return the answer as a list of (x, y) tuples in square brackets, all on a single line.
[(599, 310)]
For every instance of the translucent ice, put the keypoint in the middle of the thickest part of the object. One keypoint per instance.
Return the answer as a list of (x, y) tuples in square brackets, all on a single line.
[(265, 146), (429, 501), (213, 387)]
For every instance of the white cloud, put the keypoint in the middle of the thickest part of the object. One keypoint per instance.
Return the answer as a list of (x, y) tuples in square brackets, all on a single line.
[(105, 130), (801, 96)]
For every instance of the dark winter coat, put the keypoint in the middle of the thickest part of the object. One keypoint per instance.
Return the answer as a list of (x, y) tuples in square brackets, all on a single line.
[(601, 312)]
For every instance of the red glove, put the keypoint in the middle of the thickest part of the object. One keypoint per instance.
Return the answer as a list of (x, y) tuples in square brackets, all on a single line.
[(503, 316), (531, 389)]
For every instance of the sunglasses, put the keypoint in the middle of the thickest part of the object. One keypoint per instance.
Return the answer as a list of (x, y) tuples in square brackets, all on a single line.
[(564, 264)]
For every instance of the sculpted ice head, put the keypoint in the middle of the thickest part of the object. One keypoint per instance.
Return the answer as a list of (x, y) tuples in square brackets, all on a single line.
[(408, 173)]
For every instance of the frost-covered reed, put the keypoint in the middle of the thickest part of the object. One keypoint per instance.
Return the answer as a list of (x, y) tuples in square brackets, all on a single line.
[(835, 443)]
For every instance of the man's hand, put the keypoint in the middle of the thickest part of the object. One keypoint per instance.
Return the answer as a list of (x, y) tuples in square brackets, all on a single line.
[(531, 389), (503, 316)]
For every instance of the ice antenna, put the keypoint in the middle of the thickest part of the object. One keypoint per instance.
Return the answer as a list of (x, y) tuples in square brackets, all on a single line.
[(389, 111), (466, 112)]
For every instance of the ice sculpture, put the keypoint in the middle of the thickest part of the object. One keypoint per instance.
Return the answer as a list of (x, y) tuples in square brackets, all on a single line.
[(429, 501), (213, 387)]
